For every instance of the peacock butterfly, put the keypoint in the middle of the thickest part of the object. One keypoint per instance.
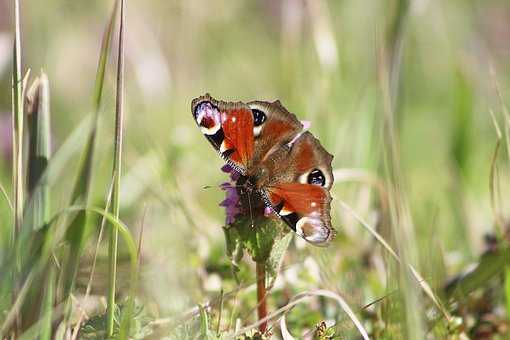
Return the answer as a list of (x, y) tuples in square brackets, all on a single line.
[(279, 163)]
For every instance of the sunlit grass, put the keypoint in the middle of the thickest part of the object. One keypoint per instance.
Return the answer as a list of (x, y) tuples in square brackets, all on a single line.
[(409, 96)]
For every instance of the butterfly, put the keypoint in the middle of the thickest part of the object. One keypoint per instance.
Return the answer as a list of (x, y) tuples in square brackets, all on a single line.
[(277, 159)]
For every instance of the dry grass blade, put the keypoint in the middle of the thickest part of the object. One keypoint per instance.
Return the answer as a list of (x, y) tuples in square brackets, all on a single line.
[(300, 298), (116, 173), (419, 279), (494, 179), (17, 120), (504, 109), (324, 38), (372, 231), (345, 307), (6, 196)]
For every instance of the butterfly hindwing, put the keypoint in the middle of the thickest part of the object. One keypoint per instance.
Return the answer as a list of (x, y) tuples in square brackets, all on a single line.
[(305, 208), (299, 192)]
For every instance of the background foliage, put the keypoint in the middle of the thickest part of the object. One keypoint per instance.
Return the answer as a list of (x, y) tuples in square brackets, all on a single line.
[(409, 96)]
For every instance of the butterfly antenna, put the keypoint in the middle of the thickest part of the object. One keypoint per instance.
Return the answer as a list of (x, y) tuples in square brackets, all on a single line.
[(219, 186), (251, 211)]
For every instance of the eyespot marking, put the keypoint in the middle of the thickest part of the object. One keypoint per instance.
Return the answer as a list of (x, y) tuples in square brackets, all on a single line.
[(259, 118), (316, 177), (208, 117)]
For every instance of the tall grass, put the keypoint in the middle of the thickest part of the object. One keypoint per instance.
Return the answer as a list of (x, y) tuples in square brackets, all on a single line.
[(44, 253), (399, 91), (117, 158), (17, 119)]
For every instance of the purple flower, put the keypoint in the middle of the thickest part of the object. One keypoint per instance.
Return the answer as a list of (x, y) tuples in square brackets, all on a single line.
[(234, 175), (231, 203)]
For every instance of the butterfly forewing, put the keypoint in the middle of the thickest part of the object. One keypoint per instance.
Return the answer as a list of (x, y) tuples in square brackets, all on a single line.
[(228, 127), (278, 127)]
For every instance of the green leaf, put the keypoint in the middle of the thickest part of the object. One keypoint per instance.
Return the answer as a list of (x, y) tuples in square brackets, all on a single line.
[(274, 262), (141, 326), (491, 264), (38, 114), (258, 240), (266, 242), (235, 249)]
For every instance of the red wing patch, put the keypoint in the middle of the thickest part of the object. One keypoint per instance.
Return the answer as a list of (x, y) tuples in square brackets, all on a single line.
[(305, 208), (237, 126), (303, 199)]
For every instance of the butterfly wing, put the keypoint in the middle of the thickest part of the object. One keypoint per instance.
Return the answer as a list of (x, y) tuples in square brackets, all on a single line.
[(245, 134), (274, 127), (299, 192), (228, 127)]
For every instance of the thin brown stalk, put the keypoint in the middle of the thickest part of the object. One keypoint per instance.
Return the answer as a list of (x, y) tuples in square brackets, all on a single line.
[(116, 173), (17, 121), (261, 295)]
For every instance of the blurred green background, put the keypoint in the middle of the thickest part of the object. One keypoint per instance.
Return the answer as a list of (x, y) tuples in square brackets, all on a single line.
[(325, 61)]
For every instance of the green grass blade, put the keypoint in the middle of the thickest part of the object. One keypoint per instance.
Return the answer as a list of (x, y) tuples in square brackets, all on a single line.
[(39, 139), (38, 115), (117, 159), (204, 322), (42, 261), (11, 257), (47, 305), (84, 175), (490, 264), (17, 111)]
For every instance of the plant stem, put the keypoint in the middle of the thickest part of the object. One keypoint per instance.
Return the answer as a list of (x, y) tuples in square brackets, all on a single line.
[(17, 144), (17, 103), (261, 295), (119, 122)]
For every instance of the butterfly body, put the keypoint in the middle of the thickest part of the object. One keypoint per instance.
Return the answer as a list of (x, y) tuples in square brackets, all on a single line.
[(281, 165)]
